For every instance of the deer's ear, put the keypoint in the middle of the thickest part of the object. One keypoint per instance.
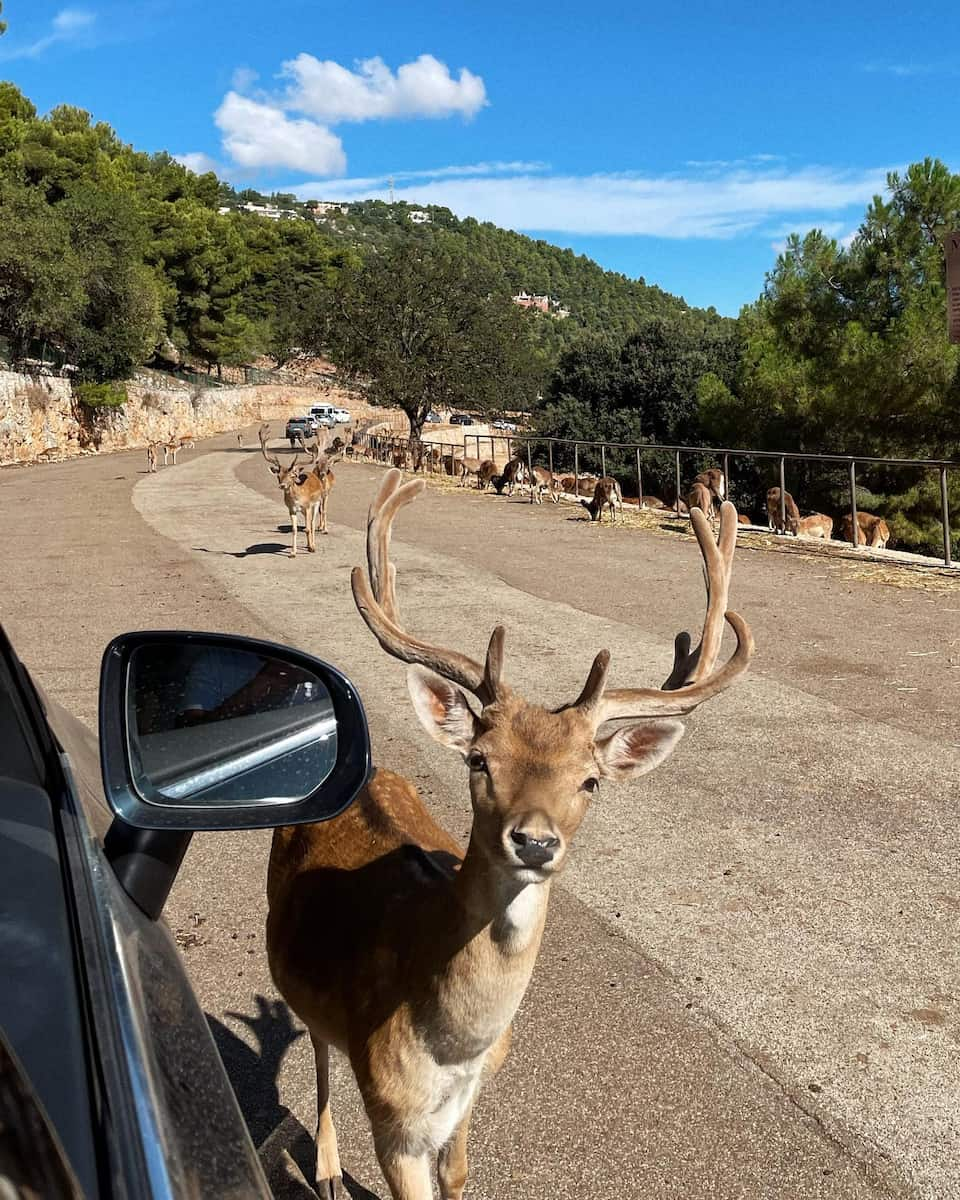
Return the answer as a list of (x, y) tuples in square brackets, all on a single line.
[(637, 749), (443, 709)]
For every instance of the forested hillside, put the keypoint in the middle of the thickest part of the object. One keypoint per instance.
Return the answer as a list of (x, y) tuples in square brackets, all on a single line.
[(110, 257)]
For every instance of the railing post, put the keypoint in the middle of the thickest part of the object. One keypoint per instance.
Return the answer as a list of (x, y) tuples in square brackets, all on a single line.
[(639, 483), (530, 470), (855, 524), (550, 457), (783, 496), (726, 476), (509, 449), (603, 461), (678, 482), (576, 469), (945, 516)]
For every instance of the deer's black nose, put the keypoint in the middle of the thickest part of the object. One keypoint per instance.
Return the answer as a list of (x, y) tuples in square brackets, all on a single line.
[(532, 851)]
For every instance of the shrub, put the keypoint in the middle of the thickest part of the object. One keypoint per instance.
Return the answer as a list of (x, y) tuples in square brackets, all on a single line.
[(101, 395)]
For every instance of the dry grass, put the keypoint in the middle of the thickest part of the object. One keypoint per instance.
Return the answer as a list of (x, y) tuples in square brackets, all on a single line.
[(862, 565)]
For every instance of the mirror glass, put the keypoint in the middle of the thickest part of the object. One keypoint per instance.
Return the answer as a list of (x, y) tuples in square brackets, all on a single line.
[(210, 725)]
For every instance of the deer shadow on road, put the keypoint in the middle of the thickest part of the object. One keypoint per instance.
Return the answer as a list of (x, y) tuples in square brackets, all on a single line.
[(256, 548), (285, 1145)]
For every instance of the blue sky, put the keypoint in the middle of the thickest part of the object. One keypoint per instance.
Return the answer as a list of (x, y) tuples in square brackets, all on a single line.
[(680, 143)]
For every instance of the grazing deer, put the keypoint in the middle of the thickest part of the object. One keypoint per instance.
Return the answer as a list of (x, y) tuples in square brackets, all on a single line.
[(305, 491), (469, 469), (652, 502), (743, 519), (872, 531), (792, 522), (152, 456), (606, 494), (700, 496), (514, 474), (488, 473), (411, 957), (817, 525), (545, 481)]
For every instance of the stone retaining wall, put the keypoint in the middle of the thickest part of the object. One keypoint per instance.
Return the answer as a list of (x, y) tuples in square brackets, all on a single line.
[(40, 420)]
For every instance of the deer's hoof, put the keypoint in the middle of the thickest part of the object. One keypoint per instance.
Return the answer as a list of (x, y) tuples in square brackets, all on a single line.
[(312, 549)]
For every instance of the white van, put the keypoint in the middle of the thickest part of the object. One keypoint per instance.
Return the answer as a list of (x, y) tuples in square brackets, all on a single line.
[(324, 415)]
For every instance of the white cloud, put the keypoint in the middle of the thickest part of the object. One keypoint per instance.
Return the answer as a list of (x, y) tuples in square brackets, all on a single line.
[(422, 88), (261, 135), (69, 25), (905, 70), (707, 205), (243, 78), (317, 189), (198, 162)]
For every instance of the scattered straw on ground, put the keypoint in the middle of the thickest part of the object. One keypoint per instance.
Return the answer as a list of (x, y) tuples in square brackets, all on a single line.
[(843, 561)]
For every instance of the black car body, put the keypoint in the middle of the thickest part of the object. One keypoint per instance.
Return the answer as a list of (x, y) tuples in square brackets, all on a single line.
[(100, 1030)]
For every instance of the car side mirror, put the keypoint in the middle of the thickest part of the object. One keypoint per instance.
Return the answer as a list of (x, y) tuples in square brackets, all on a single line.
[(207, 731)]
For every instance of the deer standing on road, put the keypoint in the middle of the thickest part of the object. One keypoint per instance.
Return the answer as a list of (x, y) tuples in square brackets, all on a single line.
[(411, 957), (173, 447), (305, 491), (792, 522), (152, 456), (469, 469), (606, 494), (545, 481)]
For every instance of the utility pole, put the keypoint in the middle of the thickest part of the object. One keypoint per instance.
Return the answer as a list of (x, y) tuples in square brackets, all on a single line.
[(391, 189)]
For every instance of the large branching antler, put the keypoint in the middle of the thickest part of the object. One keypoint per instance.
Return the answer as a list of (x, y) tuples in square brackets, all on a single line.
[(271, 459), (695, 676), (376, 597)]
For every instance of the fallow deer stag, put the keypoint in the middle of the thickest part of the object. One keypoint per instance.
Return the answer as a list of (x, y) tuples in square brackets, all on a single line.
[(411, 957), (305, 489)]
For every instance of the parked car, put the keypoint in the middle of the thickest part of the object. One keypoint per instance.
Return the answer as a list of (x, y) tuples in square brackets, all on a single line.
[(107, 1066), (432, 418), (323, 414), (506, 426), (461, 419), (342, 416), (301, 428)]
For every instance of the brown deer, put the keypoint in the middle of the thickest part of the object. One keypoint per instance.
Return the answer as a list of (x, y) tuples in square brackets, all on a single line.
[(305, 489), (411, 957), (488, 473), (714, 479), (587, 485), (173, 447), (700, 496), (469, 469), (152, 456), (817, 525), (792, 522), (872, 530), (606, 494), (545, 481), (514, 474)]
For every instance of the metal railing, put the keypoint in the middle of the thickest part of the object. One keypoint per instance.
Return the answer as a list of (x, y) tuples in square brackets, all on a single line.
[(439, 454), (725, 454)]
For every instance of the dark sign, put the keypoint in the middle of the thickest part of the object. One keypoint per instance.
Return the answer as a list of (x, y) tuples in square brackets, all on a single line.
[(952, 249)]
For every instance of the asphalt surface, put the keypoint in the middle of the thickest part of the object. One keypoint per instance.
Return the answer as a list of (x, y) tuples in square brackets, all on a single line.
[(749, 981)]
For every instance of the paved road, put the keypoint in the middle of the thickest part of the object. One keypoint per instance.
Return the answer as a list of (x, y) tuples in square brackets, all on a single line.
[(749, 981)]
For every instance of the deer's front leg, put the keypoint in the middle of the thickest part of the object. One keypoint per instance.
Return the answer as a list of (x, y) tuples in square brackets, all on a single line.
[(294, 529), (408, 1175), (310, 524)]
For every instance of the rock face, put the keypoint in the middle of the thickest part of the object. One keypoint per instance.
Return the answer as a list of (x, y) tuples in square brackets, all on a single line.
[(40, 419)]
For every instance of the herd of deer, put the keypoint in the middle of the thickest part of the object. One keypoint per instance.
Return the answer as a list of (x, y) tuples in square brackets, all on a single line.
[(169, 449), (305, 486), (407, 954)]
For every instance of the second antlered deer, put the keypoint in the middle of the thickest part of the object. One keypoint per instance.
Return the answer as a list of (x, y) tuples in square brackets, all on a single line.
[(305, 487), (405, 953)]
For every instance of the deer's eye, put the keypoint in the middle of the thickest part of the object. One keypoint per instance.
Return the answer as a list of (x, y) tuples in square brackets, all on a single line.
[(476, 761), (591, 785)]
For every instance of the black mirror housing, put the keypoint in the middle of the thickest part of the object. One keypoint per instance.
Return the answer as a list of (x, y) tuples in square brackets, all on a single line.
[(289, 746)]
